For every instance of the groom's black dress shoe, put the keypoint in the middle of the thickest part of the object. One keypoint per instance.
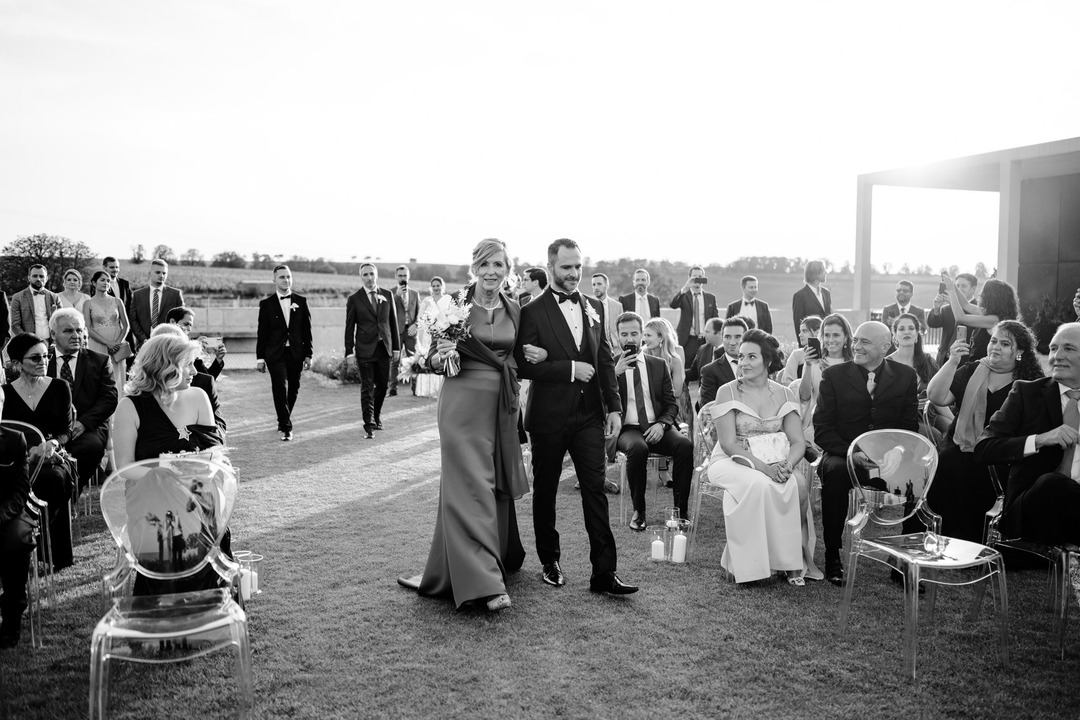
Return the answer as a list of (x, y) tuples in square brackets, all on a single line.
[(609, 582), (378, 424), (834, 571), (553, 575), (368, 435)]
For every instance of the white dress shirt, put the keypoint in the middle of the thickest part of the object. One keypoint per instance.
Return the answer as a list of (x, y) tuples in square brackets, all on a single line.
[(631, 397), (286, 307), (41, 316), (641, 306), (748, 309), (571, 312), (60, 363)]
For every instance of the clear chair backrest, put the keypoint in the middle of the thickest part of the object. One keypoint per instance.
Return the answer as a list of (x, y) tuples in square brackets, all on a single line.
[(705, 430), (169, 514), (34, 438), (903, 464)]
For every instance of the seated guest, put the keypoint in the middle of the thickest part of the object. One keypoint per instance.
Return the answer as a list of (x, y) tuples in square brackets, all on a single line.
[(162, 413), (648, 422), (1035, 432), (793, 368), (724, 369), (908, 349), (14, 552), (962, 491), (201, 380), (997, 302), (90, 375), (184, 317), (835, 336), (759, 443), (35, 398), (869, 393), (658, 340), (710, 350)]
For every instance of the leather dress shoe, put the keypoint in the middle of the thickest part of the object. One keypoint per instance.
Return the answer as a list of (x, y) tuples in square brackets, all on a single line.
[(378, 424), (392, 393), (610, 583), (637, 522), (286, 435), (553, 574), (368, 435), (834, 571)]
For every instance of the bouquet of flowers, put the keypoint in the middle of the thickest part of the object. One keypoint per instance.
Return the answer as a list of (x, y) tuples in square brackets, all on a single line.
[(451, 324), (407, 368)]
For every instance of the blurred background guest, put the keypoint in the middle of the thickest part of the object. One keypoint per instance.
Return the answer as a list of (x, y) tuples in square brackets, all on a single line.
[(904, 292), (813, 298), (941, 315), (107, 326), (437, 299), (72, 295), (695, 308), (750, 306), (793, 368), (533, 282), (213, 349), (997, 302), (908, 349), (962, 490)]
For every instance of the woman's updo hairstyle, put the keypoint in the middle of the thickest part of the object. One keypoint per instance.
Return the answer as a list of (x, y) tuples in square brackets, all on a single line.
[(771, 353)]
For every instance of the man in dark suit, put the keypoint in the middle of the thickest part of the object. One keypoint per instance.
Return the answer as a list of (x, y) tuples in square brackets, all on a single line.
[(202, 380), (93, 390), (695, 307), (1036, 432), (813, 298), (573, 402), (407, 309), (941, 315), (612, 308), (649, 421), (32, 307), (283, 345), (751, 306), (151, 304), (371, 342), (533, 282), (903, 304), (723, 370), (867, 393), (640, 301)]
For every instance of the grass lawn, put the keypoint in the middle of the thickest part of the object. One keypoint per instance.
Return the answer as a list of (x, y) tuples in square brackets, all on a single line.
[(339, 518)]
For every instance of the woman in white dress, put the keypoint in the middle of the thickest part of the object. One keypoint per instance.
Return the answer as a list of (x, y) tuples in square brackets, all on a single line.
[(767, 513), (428, 304), (107, 325), (73, 296)]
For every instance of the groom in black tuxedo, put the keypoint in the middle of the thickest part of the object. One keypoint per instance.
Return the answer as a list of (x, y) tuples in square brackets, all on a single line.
[(573, 401), (283, 345)]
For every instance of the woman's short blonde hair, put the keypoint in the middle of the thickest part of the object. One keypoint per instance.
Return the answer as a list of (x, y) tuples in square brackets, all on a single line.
[(487, 249), (157, 366)]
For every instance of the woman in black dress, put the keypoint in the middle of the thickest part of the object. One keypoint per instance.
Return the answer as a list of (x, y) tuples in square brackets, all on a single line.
[(14, 551)]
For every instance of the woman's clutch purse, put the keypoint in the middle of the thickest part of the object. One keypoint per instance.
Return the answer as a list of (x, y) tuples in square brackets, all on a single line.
[(122, 353), (769, 448)]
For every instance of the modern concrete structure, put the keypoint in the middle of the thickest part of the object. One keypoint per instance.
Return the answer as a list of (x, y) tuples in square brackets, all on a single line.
[(1038, 217)]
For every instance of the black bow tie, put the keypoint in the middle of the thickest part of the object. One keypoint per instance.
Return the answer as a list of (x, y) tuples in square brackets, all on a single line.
[(284, 297), (38, 292), (748, 302), (572, 297)]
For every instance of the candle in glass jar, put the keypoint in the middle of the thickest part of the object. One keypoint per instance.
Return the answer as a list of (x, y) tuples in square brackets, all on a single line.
[(245, 583), (658, 549), (678, 548), (254, 581)]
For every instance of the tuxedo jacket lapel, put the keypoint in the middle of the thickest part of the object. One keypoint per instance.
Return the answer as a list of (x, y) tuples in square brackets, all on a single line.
[(558, 324)]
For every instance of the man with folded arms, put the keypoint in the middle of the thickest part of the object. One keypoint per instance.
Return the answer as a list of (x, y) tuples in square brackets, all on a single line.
[(648, 423), (1036, 432)]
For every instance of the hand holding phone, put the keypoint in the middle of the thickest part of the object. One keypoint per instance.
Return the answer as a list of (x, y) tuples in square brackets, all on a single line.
[(813, 346)]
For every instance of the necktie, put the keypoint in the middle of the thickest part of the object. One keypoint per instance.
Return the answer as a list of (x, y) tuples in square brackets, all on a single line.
[(65, 369), (155, 307), (870, 384), (697, 303), (639, 396), (572, 297), (1070, 417), (374, 303)]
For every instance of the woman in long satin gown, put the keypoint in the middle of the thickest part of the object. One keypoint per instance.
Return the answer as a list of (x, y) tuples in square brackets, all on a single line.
[(476, 543)]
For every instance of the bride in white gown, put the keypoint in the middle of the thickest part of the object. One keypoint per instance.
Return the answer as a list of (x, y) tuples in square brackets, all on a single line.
[(767, 515)]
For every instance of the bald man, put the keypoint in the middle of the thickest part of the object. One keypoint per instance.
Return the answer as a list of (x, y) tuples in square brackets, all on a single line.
[(870, 392)]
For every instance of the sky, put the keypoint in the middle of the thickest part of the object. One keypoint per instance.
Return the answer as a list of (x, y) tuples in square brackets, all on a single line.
[(697, 131)]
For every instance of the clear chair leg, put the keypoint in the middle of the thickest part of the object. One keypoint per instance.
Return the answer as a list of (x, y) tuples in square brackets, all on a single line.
[(911, 618)]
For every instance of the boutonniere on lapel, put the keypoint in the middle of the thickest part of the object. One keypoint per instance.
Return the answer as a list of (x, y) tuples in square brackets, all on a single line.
[(591, 313), (379, 298), (294, 306)]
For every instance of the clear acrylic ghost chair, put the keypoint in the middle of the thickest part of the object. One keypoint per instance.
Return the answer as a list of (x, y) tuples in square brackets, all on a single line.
[(1058, 558), (167, 517), (901, 466), (704, 442), (41, 569)]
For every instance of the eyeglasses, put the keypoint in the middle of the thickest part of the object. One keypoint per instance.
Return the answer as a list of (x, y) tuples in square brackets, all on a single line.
[(35, 358)]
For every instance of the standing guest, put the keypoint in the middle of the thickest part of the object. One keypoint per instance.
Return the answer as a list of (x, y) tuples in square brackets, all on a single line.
[(283, 345), (437, 299), (658, 340), (72, 295), (476, 543), (869, 393), (14, 551), (941, 315), (573, 404), (35, 398), (611, 308), (93, 390), (904, 291), (1036, 432), (908, 350), (793, 368), (695, 307), (118, 286), (640, 301), (371, 342), (766, 500), (813, 298), (107, 326), (203, 381), (997, 302), (150, 305), (751, 306), (725, 368), (32, 307), (533, 283), (711, 349), (407, 310), (963, 491), (184, 318), (649, 420), (4, 315)]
